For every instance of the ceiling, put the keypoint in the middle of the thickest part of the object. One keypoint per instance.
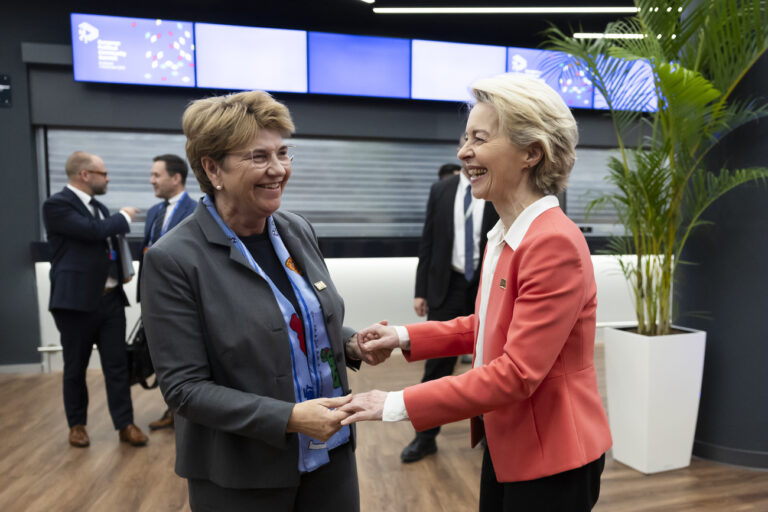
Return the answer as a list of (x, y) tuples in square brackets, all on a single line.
[(357, 17)]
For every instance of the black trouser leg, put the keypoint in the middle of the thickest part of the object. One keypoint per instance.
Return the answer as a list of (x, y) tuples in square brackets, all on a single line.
[(576, 490), (78, 334), (114, 360)]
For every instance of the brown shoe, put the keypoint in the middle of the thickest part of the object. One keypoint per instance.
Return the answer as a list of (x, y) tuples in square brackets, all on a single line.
[(166, 421), (133, 435), (78, 436)]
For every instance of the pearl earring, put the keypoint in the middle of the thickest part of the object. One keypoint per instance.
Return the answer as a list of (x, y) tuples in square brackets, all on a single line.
[(218, 187)]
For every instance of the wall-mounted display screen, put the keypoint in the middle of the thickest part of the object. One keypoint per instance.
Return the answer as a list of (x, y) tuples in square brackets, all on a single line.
[(232, 57), (638, 90), (133, 50), (359, 65), (444, 71), (161, 52), (572, 85)]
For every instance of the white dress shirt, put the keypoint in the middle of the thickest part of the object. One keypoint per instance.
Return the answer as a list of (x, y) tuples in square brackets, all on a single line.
[(86, 199), (477, 207), (170, 209), (394, 405)]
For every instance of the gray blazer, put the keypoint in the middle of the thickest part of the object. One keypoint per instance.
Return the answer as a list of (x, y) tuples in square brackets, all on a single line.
[(221, 350)]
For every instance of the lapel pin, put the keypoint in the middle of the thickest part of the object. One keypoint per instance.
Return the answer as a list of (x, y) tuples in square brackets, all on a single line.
[(503, 284), (320, 286)]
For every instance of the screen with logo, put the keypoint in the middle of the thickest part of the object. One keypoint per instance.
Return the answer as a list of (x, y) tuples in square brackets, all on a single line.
[(637, 92), (572, 84), (133, 50)]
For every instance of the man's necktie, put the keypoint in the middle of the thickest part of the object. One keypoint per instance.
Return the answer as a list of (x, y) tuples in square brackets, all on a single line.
[(157, 225), (111, 254), (469, 239), (94, 208)]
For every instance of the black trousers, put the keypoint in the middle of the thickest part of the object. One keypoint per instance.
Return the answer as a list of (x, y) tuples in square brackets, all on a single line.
[(104, 328), (330, 488), (460, 301), (575, 490)]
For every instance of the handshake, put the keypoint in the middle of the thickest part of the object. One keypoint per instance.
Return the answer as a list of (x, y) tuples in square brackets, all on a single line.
[(322, 417)]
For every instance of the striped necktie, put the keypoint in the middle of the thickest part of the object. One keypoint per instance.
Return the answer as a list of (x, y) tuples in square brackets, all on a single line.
[(469, 238)]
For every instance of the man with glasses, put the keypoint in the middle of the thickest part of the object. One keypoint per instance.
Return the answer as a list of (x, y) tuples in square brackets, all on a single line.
[(168, 176), (87, 298)]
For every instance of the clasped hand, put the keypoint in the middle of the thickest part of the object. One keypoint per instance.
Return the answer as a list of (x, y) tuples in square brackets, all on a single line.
[(322, 417), (377, 339)]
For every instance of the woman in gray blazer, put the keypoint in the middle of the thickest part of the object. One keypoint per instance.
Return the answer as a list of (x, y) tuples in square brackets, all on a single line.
[(245, 326)]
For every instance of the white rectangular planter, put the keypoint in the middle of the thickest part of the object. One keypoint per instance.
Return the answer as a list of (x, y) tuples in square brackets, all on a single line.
[(653, 385)]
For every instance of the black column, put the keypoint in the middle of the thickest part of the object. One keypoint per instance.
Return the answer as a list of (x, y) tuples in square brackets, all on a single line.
[(728, 282)]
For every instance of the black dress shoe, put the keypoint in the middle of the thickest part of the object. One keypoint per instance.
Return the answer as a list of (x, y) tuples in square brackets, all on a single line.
[(418, 449)]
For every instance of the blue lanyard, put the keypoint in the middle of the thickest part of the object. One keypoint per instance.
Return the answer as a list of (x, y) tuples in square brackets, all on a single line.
[(282, 301)]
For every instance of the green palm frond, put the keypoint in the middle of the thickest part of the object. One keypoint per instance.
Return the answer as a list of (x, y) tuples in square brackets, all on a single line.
[(735, 35), (707, 187), (660, 189)]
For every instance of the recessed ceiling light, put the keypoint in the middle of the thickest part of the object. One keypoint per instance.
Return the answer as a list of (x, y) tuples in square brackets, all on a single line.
[(368, 1), (599, 35), (505, 10)]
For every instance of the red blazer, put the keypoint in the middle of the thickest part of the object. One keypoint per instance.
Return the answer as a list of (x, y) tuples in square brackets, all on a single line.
[(537, 388)]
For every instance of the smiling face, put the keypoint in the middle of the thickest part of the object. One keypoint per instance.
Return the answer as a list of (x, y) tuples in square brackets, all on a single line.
[(497, 169), (165, 185), (250, 193)]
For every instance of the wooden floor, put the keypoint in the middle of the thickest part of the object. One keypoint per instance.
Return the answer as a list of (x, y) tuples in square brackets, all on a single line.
[(39, 471)]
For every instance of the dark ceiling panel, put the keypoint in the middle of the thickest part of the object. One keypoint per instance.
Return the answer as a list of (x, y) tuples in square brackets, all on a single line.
[(357, 17)]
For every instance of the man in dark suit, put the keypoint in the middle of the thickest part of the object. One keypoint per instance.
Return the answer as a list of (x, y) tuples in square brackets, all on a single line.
[(87, 297), (447, 276), (168, 176)]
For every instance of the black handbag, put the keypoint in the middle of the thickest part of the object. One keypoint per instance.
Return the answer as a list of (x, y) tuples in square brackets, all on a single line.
[(140, 366)]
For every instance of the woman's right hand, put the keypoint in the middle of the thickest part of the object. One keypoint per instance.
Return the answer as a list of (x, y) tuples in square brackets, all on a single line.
[(378, 336), (319, 418)]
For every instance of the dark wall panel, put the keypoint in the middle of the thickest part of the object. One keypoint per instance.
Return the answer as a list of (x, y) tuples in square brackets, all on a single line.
[(728, 282)]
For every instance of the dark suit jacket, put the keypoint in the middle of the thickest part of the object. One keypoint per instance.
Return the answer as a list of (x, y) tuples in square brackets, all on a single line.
[(221, 350), (433, 273), (80, 262), (185, 208)]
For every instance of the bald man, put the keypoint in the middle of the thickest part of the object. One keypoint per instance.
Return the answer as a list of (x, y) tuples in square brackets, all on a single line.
[(87, 298)]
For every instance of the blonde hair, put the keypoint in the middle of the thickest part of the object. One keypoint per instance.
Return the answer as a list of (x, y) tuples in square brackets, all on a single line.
[(217, 125), (76, 162), (531, 112)]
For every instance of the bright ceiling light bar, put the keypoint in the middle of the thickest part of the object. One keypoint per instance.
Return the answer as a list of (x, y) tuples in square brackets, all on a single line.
[(598, 35), (368, 1), (505, 10)]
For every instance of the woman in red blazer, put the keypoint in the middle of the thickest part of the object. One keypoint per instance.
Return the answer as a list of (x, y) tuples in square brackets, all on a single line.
[(532, 391)]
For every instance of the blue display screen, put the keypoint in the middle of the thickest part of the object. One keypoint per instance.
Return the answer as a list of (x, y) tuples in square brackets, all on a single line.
[(572, 84), (638, 90), (115, 49), (445, 71), (232, 57), (133, 50), (359, 65)]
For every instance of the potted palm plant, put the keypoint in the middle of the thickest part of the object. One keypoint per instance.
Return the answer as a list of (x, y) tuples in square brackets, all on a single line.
[(668, 87)]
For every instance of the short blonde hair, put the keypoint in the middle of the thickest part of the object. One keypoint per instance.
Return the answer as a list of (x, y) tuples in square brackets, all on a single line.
[(531, 112), (217, 125), (76, 162)]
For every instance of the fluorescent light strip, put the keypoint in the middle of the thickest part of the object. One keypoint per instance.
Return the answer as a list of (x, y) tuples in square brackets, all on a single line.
[(505, 10), (598, 35)]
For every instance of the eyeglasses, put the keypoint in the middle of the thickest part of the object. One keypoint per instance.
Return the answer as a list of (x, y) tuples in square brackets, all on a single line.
[(261, 157), (103, 173)]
